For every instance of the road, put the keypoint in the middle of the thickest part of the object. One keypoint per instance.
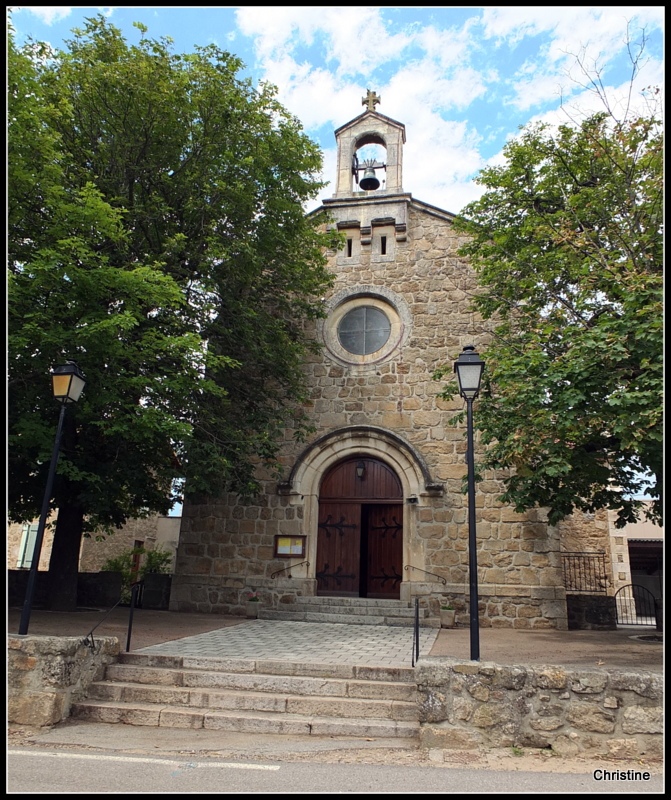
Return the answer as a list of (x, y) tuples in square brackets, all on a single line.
[(44, 771)]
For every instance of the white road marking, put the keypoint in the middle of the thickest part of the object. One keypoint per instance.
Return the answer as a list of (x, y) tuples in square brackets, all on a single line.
[(169, 762)]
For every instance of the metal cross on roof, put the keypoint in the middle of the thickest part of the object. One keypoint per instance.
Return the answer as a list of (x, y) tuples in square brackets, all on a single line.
[(370, 100)]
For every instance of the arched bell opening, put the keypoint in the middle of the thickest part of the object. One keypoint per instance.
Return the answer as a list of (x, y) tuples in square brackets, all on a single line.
[(360, 530), (369, 164)]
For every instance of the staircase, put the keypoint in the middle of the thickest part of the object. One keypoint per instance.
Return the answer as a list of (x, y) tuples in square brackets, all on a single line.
[(247, 696), (352, 611)]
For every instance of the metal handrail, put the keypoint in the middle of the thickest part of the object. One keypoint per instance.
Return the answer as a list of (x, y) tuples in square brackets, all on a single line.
[(426, 572), (585, 572), (290, 567), (89, 641), (415, 634)]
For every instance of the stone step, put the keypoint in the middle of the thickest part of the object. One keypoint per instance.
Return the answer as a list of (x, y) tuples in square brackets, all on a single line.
[(257, 682), (369, 602), (262, 696), (350, 672), (313, 616), (118, 692), (241, 721), (247, 696), (349, 611)]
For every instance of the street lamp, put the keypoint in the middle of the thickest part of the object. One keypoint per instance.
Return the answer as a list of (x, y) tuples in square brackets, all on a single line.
[(67, 384), (469, 369)]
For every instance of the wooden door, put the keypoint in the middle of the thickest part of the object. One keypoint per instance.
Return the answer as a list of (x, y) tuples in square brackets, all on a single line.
[(338, 549), (360, 531), (383, 550)]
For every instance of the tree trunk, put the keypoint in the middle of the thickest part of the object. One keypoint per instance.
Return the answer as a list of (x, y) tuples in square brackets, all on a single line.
[(64, 561)]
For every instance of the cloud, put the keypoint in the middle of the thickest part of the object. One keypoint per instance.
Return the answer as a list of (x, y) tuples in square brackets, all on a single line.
[(355, 40), (593, 36), (48, 14), (431, 76), (568, 24)]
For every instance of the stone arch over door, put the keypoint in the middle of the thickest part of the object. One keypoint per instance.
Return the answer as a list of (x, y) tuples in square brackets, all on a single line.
[(363, 441)]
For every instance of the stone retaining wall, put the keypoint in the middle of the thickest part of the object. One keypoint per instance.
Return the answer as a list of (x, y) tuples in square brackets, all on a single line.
[(462, 705), (589, 712), (46, 674)]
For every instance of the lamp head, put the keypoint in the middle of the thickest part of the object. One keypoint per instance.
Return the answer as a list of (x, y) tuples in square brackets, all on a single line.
[(469, 369), (67, 383)]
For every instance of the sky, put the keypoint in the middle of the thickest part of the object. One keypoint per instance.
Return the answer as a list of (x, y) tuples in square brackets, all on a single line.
[(462, 80)]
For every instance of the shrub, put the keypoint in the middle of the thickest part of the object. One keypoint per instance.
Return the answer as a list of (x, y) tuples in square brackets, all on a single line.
[(155, 561)]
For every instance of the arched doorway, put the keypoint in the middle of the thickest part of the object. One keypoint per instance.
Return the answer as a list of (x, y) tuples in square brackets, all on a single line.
[(360, 530)]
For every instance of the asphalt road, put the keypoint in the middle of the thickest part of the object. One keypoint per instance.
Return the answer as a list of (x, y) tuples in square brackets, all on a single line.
[(39, 772)]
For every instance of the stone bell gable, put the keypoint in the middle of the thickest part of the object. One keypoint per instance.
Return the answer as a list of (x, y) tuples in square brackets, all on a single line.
[(372, 505)]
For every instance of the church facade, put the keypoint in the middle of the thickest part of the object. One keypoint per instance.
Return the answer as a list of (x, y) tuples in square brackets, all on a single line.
[(373, 504)]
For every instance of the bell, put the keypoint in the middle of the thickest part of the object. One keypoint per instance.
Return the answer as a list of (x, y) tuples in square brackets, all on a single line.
[(369, 181)]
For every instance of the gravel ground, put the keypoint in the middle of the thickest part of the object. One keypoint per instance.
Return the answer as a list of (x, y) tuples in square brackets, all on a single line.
[(607, 649)]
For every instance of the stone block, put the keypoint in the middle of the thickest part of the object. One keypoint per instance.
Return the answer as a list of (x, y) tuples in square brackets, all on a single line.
[(549, 677), (589, 682), (563, 745), (623, 748), (509, 677), (642, 683), (639, 719), (546, 723), (487, 716), (589, 717), (431, 737), (36, 709)]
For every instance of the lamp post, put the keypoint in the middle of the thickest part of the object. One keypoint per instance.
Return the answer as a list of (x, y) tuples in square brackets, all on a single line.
[(469, 369), (67, 385)]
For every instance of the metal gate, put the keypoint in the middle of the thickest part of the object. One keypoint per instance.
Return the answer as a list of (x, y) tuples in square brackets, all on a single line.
[(635, 605)]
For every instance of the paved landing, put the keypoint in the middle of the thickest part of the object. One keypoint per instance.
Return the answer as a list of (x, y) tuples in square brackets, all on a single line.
[(313, 642)]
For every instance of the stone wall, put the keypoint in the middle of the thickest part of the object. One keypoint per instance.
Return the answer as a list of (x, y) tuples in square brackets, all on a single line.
[(585, 532), (154, 532), (465, 706), (46, 674)]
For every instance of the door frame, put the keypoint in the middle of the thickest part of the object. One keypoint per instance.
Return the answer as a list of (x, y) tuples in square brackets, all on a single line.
[(302, 488)]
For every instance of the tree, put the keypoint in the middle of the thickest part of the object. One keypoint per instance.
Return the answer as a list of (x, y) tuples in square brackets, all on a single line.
[(567, 245), (157, 237)]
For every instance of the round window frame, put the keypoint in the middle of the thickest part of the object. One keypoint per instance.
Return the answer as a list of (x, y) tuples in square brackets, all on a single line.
[(332, 323), (365, 331)]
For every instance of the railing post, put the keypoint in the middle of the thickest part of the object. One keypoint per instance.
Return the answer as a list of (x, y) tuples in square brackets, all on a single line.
[(415, 635), (133, 596)]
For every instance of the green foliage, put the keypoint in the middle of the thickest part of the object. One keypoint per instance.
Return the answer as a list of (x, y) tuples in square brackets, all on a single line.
[(157, 236), (567, 244), (157, 562), (154, 561)]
